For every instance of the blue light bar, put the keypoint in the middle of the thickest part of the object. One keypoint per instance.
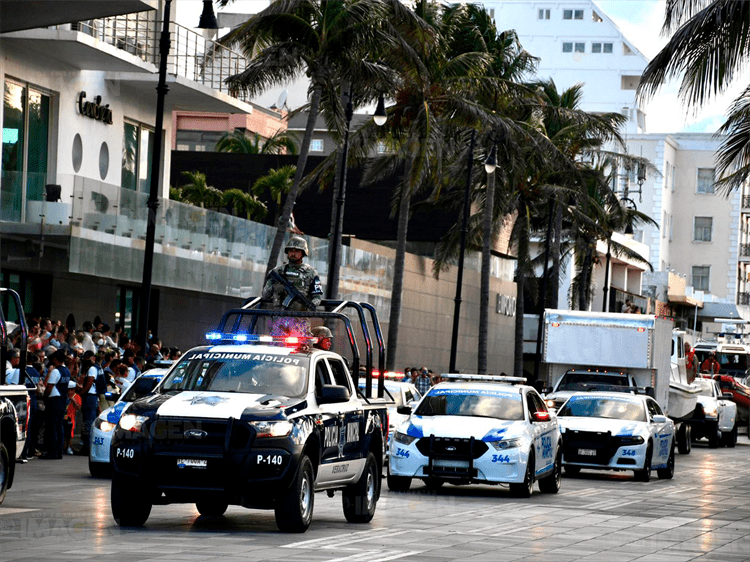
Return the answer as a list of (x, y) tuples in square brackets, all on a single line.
[(213, 336), (240, 337)]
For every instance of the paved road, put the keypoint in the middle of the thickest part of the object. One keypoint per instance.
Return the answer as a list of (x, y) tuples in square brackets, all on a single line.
[(56, 512)]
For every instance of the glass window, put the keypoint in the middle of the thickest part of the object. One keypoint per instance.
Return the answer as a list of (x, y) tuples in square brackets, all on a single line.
[(701, 275), (543, 14), (608, 408), (706, 180), (316, 145), (580, 47), (339, 373), (567, 14), (702, 229), (596, 47), (472, 403), (137, 149), (578, 14), (607, 47), (567, 47)]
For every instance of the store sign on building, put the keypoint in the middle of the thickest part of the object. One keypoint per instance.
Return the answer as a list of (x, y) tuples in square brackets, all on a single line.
[(506, 305), (94, 109)]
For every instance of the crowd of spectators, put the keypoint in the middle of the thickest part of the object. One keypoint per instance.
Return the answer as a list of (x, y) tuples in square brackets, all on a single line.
[(71, 369), (422, 378)]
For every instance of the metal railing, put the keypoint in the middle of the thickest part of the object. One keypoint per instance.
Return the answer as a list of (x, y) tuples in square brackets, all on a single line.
[(191, 55)]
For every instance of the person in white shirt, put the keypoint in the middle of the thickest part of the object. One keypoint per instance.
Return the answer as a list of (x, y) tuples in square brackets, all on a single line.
[(12, 371), (89, 398), (55, 392)]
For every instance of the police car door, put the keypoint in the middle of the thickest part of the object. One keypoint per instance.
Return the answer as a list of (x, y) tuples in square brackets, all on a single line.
[(341, 458), (659, 433), (543, 433)]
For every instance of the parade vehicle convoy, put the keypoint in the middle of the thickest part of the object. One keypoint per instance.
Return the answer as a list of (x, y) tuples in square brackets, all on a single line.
[(489, 430), (617, 431), (258, 420), (14, 398), (585, 351)]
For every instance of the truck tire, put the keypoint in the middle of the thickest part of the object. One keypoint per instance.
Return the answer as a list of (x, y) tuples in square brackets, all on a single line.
[(131, 505), (551, 484), (683, 439), (4, 471), (644, 474), (667, 472), (712, 433), (525, 488), (361, 498), (294, 508), (100, 469), (398, 483), (729, 438), (212, 508)]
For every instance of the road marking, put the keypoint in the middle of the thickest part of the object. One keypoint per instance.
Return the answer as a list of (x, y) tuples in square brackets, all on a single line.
[(620, 504), (14, 510), (346, 538), (680, 491), (376, 556)]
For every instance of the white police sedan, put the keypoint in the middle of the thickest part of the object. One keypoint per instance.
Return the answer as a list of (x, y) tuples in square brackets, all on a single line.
[(617, 431), (478, 432), (105, 423)]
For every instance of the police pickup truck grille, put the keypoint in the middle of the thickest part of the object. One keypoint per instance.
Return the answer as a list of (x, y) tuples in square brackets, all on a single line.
[(196, 436), (591, 447), (451, 448)]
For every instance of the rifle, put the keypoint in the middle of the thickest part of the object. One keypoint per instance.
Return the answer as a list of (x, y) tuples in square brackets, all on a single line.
[(291, 291)]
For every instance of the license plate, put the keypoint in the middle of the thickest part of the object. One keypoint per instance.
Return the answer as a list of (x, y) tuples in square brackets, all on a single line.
[(192, 463), (587, 452)]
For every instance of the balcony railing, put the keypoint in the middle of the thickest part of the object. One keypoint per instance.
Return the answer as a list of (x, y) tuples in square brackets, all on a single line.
[(191, 55)]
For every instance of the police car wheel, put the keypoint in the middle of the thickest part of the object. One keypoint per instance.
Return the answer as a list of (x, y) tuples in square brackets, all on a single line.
[(398, 483), (684, 438), (4, 471), (551, 484), (713, 435), (294, 508), (644, 475), (667, 472), (730, 437), (100, 469), (212, 508), (360, 499), (525, 489), (130, 508)]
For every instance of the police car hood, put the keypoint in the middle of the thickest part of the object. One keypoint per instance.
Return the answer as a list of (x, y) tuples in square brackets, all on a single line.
[(220, 405), (586, 423), (483, 429)]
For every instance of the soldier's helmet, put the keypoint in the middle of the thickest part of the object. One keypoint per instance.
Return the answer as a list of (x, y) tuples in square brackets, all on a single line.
[(321, 332), (296, 243)]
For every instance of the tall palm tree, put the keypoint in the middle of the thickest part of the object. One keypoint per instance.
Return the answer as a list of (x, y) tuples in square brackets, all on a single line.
[(317, 38), (243, 204), (277, 182), (709, 47), (238, 142), (198, 192)]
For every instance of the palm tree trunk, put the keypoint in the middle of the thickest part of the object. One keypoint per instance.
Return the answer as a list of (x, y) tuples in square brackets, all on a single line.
[(554, 275), (583, 287), (291, 197), (394, 317), (484, 290), (523, 256)]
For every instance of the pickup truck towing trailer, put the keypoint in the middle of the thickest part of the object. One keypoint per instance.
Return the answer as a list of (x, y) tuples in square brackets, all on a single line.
[(258, 420), (608, 351), (14, 399)]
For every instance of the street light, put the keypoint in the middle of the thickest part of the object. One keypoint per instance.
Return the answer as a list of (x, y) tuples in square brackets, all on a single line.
[(629, 204), (153, 198), (334, 262)]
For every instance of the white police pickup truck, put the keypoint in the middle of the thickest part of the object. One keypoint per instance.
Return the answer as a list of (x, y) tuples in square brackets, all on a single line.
[(254, 420)]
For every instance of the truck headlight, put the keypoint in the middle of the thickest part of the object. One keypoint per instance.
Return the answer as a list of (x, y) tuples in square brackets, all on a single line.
[(104, 425), (132, 423), (711, 411), (506, 444), (272, 428), (631, 440), (403, 438)]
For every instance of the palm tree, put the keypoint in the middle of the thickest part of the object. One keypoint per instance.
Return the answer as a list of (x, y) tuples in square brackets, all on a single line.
[(277, 182), (197, 192), (243, 204), (239, 142), (708, 48), (318, 38)]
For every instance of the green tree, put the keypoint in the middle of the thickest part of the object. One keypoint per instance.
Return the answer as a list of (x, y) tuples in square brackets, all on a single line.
[(708, 48), (277, 182), (198, 192), (243, 204), (239, 142)]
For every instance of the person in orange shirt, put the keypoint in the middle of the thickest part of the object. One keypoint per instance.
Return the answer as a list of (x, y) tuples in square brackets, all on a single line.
[(691, 363), (74, 404), (710, 365)]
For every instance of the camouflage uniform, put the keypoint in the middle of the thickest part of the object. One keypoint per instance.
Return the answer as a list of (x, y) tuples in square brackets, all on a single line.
[(304, 278)]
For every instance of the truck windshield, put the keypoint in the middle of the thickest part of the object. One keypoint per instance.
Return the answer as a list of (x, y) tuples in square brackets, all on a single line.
[(472, 403), (585, 381), (252, 373), (610, 408)]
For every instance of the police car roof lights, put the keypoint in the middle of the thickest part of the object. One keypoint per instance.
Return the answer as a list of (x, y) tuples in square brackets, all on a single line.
[(483, 378), (291, 341)]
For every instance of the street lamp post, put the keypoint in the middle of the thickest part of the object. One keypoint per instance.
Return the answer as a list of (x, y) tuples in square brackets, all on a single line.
[(334, 262), (153, 198)]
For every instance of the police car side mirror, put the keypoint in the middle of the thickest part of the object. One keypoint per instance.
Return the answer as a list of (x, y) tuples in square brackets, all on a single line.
[(333, 394), (404, 410), (659, 419)]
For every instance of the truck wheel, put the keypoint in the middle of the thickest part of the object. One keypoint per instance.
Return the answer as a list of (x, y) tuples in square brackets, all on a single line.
[(712, 432), (100, 469), (4, 471), (212, 508), (294, 508), (398, 483), (131, 505), (644, 475), (361, 499), (551, 484), (729, 438), (667, 472), (683, 439), (525, 489)]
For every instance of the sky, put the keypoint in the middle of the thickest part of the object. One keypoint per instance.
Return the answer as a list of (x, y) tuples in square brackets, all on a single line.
[(639, 20)]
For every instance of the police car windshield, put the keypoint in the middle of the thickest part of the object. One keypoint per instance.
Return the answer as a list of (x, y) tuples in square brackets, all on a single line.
[(251, 373), (609, 408), (585, 381), (471, 403)]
